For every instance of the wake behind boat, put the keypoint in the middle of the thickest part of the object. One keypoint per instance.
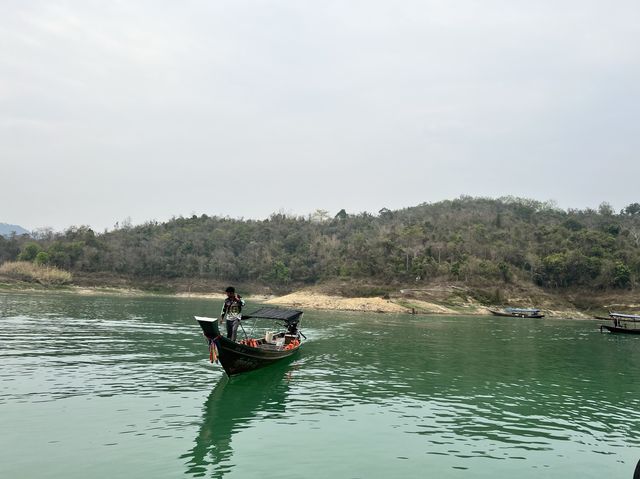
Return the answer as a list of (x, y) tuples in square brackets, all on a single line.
[(518, 312), (253, 353)]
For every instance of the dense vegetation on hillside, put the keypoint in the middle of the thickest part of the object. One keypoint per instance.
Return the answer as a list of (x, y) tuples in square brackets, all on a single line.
[(472, 240)]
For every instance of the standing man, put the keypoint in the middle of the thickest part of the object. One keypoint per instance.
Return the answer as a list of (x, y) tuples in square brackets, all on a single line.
[(232, 312)]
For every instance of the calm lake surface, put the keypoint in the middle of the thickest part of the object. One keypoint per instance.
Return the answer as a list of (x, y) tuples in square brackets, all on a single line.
[(104, 387)]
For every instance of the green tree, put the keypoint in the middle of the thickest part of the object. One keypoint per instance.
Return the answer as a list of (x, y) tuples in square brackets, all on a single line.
[(342, 215), (505, 271), (621, 275), (632, 209), (280, 273), (554, 269), (605, 209), (42, 258), (29, 252)]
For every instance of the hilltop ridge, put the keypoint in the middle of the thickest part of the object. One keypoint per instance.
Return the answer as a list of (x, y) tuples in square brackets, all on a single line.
[(7, 230)]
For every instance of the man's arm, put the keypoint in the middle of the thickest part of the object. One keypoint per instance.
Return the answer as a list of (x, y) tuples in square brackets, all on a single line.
[(240, 300)]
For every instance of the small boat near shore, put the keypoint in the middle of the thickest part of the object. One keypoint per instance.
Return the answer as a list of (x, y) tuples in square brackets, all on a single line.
[(623, 323), (248, 354), (517, 312)]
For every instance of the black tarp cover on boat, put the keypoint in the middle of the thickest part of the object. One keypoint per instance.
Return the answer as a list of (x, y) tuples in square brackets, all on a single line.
[(288, 315)]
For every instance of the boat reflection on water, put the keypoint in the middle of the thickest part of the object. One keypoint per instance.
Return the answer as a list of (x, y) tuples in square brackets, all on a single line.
[(230, 408)]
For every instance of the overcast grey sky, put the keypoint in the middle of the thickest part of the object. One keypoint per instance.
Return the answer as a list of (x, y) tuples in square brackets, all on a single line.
[(149, 109)]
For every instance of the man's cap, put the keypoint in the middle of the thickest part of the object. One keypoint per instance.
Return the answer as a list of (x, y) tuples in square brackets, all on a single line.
[(230, 289)]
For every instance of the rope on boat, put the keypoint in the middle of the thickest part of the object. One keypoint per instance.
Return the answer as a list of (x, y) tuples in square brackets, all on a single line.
[(253, 327), (213, 350), (242, 327)]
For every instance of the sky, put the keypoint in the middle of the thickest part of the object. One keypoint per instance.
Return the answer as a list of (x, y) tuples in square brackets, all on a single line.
[(144, 110)]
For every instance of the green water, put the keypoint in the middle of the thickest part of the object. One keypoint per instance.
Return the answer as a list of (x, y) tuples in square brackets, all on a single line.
[(97, 387)]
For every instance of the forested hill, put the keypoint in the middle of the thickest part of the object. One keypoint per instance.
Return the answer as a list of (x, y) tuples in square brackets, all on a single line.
[(471, 240)]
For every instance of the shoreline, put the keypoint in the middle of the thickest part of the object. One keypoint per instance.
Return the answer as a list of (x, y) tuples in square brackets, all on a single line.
[(303, 299)]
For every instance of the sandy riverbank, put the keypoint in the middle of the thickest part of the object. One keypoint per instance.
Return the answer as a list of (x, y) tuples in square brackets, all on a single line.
[(319, 301), (308, 300)]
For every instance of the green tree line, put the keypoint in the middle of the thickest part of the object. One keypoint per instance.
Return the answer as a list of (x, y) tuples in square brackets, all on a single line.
[(471, 240)]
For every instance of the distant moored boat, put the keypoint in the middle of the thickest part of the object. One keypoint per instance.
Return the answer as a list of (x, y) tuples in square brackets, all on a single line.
[(518, 312), (623, 323)]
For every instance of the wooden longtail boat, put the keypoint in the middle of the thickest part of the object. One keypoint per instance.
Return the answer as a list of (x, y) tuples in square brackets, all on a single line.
[(518, 312), (623, 323), (253, 353), (615, 329)]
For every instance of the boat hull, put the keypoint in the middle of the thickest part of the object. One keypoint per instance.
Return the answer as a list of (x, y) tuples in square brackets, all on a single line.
[(615, 329), (515, 315), (236, 358)]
